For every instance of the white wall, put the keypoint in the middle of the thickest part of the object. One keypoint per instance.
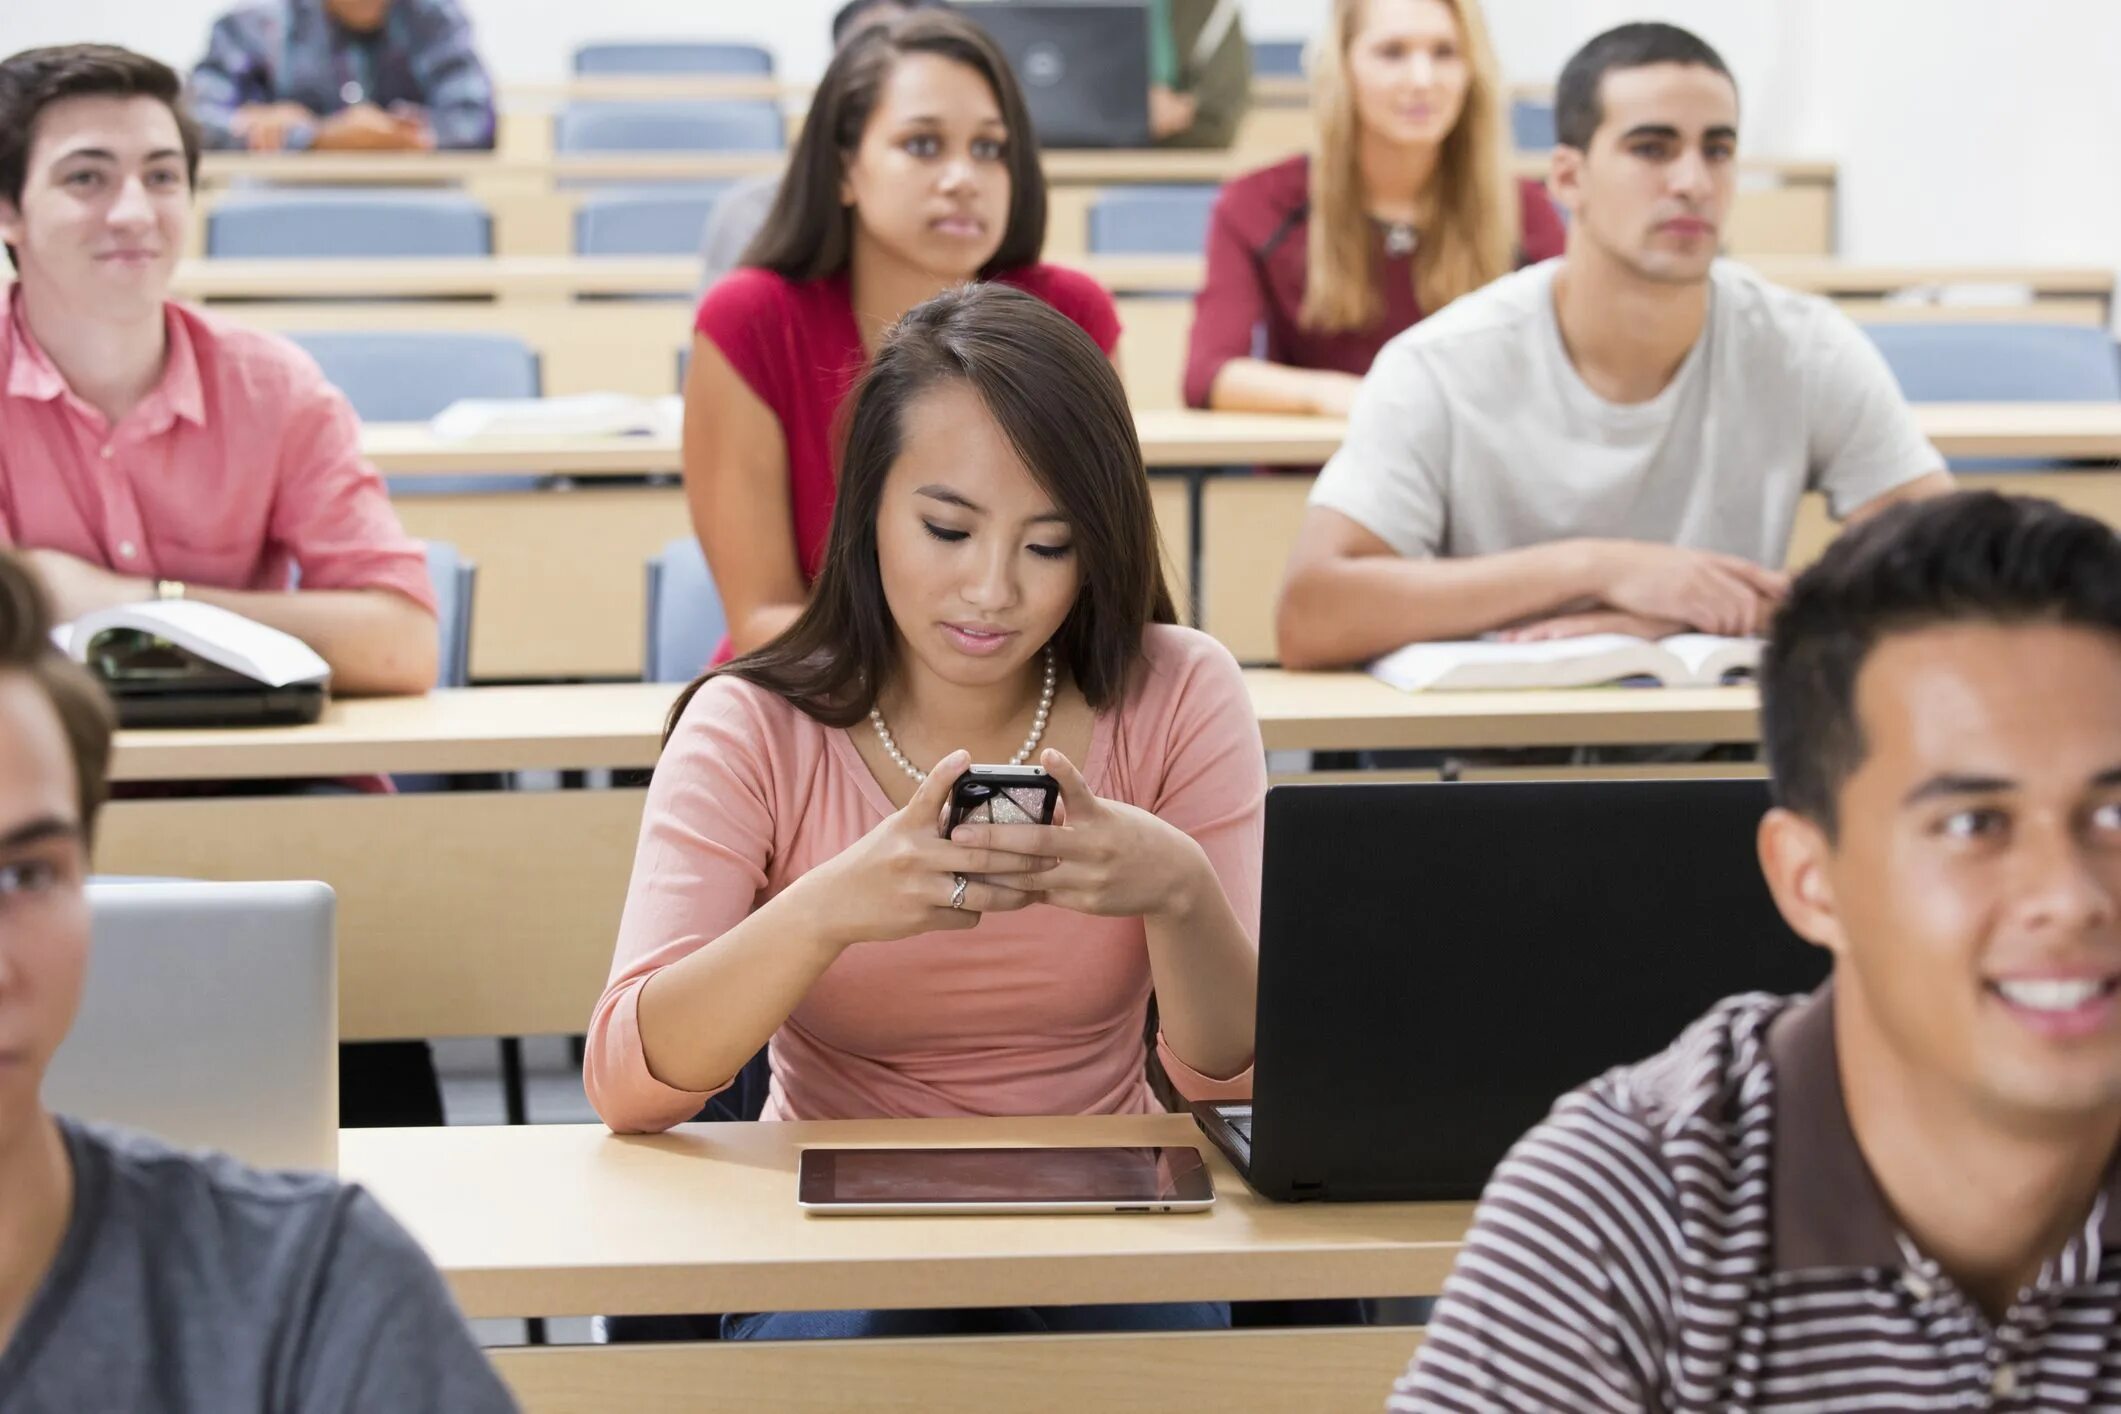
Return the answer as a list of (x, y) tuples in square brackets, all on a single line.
[(1966, 130)]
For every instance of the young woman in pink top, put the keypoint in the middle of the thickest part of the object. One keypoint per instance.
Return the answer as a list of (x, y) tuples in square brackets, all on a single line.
[(991, 592), (916, 171)]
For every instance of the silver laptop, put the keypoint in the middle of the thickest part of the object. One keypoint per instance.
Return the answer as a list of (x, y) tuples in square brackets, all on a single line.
[(210, 1019), (1083, 64)]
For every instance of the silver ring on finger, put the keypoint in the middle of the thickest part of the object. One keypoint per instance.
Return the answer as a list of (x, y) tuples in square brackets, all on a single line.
[(957, 895)]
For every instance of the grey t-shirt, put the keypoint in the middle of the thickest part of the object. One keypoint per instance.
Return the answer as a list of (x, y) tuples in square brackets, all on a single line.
[(1474, 433), (191, 1283)]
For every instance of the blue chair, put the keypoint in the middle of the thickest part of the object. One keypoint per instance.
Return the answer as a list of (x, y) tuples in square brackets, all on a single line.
[(672, 57), (689, 125), (1278, 58), (409, 375), (455, 579), (685, 618), (317, 225), (1532, 125), (1151, 220), (2000, 363), (645, 222)]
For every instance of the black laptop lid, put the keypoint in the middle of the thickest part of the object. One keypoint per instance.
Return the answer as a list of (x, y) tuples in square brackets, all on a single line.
[(1083, 66), (1440, 962)]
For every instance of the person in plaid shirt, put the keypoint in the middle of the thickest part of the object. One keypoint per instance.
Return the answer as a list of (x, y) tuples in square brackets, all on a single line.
[(375, 75)]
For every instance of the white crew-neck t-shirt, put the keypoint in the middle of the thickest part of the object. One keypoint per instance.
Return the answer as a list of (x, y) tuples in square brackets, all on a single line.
[(1474, 433)]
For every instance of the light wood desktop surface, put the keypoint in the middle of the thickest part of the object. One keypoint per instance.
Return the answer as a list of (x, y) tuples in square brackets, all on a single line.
[(571, 1220), (560, 1220), (1783, 206), (492, 912), (619, 725), (566, 277), (1187, 437), (585, 622)]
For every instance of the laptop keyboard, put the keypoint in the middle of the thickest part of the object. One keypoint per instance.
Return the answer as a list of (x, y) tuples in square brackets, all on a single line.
[(1239, 1118)]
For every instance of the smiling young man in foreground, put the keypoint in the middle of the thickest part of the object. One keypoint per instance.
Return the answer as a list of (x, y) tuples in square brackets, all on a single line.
[(1900, 1192)]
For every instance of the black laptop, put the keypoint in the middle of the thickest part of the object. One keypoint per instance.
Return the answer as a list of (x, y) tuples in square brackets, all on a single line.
[(1440, 962), (1083, 66)]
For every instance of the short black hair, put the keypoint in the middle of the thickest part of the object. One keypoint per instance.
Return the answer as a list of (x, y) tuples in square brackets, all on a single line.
[(1579, 104), (1974, 556), (34, 79), (843, 21)]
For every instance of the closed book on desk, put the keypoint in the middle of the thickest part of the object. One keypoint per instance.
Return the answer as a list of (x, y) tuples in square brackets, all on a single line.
[(178, 662), (1683, 660)]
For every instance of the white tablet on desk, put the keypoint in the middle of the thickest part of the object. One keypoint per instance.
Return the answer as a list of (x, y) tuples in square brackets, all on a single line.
[(1153, 1179)]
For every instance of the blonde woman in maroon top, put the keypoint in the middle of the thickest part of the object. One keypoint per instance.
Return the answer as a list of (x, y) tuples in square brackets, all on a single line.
[(1315, 262)]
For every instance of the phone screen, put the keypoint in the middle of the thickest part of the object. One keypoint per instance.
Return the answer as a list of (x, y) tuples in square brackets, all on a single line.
[(1167, 1173), (986, 795)]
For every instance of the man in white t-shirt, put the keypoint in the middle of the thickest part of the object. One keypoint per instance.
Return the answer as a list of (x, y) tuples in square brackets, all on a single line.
[(1614, 441)]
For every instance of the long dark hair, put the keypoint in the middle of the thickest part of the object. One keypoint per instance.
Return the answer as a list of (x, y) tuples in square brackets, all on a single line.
[(809, 235), (1056, 398)]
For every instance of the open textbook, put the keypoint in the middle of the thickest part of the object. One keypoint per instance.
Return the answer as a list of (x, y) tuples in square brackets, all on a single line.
[(1683, 660), (578, 415), (208, 634)]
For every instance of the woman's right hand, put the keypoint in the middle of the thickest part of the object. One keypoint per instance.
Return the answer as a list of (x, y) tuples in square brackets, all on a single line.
[(897, 880)]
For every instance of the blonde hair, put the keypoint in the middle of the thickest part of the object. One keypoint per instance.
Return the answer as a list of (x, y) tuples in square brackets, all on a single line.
[(1470, 212)]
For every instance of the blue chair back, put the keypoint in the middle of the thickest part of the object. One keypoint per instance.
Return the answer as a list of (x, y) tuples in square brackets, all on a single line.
[(672, 57), (1532, 125), (688, 125), (644, 222), (455, 579), (409, 375), (1278, 58), (1151, 220), (2000, 363), (290, 225), (685, 618)]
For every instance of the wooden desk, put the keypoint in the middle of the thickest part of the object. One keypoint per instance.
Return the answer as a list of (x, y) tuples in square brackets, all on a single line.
[(1783, 206), (484, 913), (585, 622), (571, 277), (582, 726), (570, 1220)]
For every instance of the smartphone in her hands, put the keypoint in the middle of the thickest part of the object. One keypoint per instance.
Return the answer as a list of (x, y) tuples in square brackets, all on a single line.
[(1001, 795)]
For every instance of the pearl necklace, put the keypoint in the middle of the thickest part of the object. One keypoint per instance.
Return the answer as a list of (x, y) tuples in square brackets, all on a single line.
[(1038, 726)]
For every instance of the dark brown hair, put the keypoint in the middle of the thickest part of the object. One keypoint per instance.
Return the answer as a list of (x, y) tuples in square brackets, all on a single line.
[(1056, 398), (809, 235), (1971, 557), (34, 79), (84, 712)]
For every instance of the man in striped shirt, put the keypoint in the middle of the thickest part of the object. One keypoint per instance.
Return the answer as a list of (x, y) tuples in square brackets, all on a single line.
[(1900, 1193)]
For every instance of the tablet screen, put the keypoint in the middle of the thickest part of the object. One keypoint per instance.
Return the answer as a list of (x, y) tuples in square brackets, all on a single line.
[(1004, 1176)]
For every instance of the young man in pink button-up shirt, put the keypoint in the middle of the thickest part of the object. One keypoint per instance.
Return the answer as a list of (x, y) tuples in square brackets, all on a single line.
[(149, 449)]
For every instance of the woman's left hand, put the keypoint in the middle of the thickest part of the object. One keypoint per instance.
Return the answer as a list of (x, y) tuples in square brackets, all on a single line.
[(1114, 860)]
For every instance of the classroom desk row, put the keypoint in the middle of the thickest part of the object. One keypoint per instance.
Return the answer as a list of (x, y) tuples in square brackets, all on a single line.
[(552, 1220), (1783, 207), (1867, 290), (561, 572), (492, 912)]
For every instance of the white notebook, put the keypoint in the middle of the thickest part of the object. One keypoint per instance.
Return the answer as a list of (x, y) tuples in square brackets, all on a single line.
[(243, 645), (1683, 660), (579, 415)]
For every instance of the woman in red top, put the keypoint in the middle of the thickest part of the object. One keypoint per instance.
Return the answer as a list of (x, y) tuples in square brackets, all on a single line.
[(916, 171), (1313, 265)]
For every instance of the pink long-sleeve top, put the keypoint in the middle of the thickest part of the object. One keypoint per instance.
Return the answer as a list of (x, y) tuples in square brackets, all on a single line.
[(1038, 1012)]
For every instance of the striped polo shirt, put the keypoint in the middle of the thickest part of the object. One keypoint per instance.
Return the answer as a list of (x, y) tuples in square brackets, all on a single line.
[(1700, 1232)]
